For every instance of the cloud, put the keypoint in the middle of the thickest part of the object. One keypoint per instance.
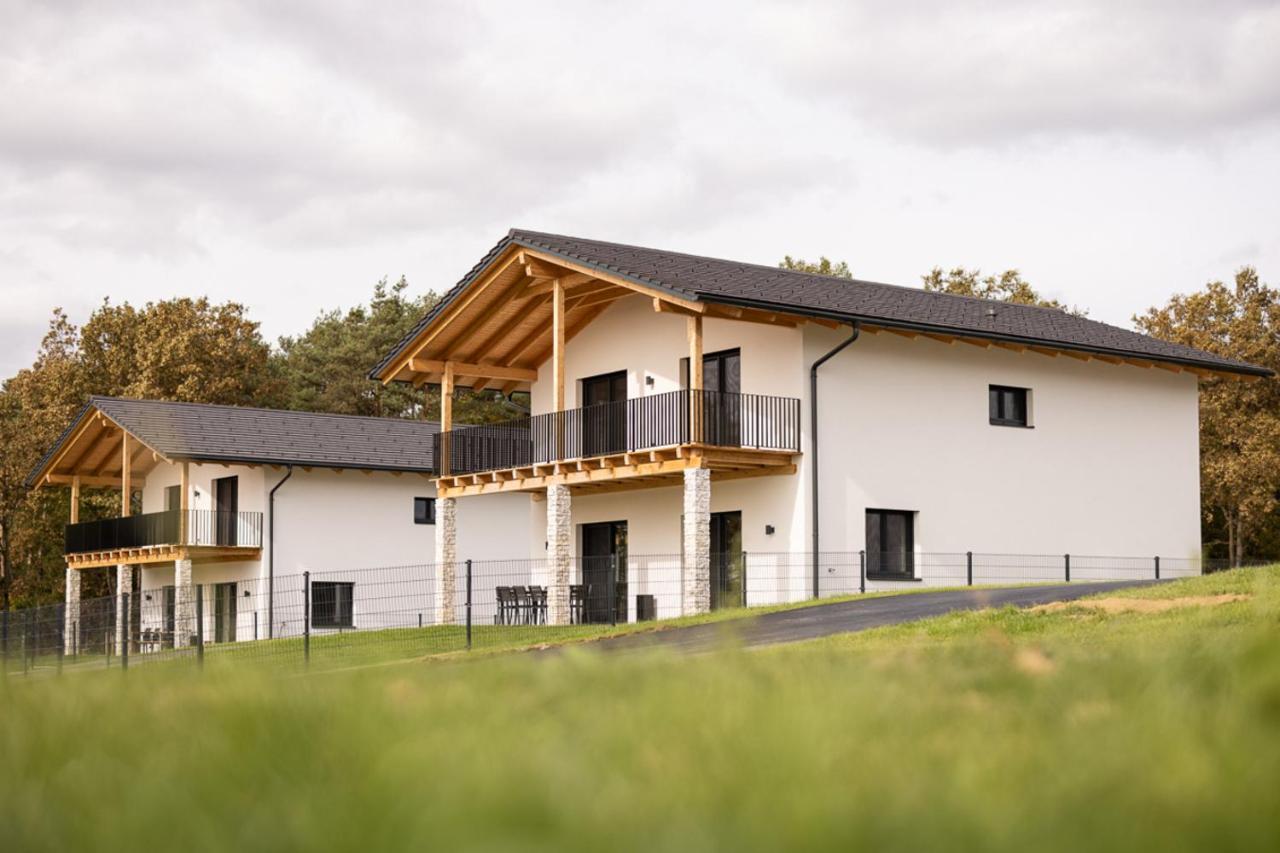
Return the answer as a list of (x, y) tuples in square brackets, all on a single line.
[(944, 73)]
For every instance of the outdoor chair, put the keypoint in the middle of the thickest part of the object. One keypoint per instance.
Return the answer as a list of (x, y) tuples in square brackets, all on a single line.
[(506, 606), (578, 602), (524, 604), (538, 599)]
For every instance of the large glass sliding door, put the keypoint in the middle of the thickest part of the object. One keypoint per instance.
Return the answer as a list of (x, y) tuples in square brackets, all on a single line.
[(604, 550), (604, 414), (728, 574)]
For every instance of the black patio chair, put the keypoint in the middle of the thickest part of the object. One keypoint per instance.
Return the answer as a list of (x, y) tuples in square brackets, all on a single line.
[(506, 605), (524, 604), (538, 599), (578, 594)]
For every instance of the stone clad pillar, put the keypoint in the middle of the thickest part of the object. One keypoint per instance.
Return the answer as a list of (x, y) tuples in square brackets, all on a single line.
[(446, 586), (184, 604), (124, 585), (71, 614), (695, 580), (559, 553)]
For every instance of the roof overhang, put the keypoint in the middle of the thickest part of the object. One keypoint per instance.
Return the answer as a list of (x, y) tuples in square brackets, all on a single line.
[(494, 329), (91, 451)]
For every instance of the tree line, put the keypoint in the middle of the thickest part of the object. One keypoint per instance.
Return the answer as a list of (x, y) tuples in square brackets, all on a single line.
[(194, 350)]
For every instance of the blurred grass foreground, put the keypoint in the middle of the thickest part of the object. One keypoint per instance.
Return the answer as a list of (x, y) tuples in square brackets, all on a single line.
[(1063, 729)]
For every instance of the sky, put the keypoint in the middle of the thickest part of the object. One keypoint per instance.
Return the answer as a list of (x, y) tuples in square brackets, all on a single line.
[(288, 155)]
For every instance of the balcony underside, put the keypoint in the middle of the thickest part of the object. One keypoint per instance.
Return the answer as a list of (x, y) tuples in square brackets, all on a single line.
[(148, 554), (641, 469)]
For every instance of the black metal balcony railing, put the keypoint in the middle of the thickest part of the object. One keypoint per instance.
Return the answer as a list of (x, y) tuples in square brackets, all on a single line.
[(172, 527), (716, 418)]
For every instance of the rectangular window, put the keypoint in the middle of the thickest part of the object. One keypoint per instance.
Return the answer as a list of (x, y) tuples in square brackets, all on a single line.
[(424, 510), (331, 604), (172, 498), (890, 543), (1008, 406)]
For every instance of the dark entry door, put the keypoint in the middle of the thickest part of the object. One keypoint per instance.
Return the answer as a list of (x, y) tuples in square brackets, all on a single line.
[(224, 613), (604, 414), (728, 577), (604, 548), (226, 501)]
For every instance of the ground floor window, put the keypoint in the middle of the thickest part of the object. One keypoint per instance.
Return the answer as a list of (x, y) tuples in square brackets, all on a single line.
[(890, 542), (424, 510), (331, 604)]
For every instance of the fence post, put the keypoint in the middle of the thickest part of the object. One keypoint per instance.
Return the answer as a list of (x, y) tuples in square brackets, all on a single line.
[(612, 587), (4, 639), (862, 571), (1066, 566), (75, 640), (968, 566), (255, 623), (26, 642), (62, 636), (306, 619), (200, 625), (744, 578), (1157, 568), (468, 605), (124, 646)]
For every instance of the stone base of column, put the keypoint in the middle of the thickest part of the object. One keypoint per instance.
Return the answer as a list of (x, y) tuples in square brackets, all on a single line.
[(184, 605), (446, 583), (695, 580), (71, 614), (124, 593), (559, 553)]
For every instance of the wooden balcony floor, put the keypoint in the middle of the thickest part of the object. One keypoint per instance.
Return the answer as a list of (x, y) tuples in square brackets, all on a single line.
[(640, 469), (149, 554)]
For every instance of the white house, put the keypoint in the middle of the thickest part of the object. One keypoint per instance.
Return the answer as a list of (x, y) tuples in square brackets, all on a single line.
[(688, 409), (233, 505)]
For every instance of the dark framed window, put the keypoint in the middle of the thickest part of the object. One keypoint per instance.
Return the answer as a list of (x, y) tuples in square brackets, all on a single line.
[(331, 604), (172, 498), (1008, 406), (424, 510), (890, 543)]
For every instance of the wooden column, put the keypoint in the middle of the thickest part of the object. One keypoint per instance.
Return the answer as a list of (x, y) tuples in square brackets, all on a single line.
[(557, 363), (557, 345), (126, 477), (446, 414), (184, 501), (75, 499), (696, 407)]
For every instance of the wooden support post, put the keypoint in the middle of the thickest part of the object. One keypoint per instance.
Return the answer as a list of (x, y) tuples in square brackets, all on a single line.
[(446, 415), (184, 502), (75, 499), (126, 485), (695, 378), (557, 362)]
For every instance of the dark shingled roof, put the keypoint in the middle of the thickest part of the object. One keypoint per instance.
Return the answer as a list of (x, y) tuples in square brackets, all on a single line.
[(699, 278), (204, 432)]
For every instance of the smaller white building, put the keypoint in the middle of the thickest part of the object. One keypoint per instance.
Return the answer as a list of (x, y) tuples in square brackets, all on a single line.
[(230, 509)]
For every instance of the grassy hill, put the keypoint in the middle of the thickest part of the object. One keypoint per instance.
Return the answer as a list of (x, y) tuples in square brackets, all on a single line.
[(1061, 729)]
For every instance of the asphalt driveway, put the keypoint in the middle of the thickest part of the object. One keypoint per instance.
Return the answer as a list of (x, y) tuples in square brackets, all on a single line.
[(822, 620)]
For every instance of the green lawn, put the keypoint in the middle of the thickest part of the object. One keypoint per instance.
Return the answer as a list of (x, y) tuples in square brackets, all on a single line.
[(1000, 730)]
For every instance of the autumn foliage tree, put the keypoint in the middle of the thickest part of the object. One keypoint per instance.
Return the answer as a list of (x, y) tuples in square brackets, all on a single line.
[(822, 266), (1239, 421)]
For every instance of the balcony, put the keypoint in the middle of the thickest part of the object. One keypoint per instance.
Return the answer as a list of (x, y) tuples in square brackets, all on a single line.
[(163, 536), (592, 445)]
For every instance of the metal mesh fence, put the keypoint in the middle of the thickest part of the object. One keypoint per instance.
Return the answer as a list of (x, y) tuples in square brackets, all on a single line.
[(356, 616)]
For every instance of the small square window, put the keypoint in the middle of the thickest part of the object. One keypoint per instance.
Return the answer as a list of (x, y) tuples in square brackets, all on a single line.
[(1008, 406), (424, 510)]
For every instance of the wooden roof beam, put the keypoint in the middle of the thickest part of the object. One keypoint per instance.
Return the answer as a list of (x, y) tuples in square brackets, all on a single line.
[(470, 369)]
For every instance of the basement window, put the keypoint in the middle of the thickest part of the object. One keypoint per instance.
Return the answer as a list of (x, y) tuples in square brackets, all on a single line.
[(424, 510), (331, 604), (1008, 406)]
